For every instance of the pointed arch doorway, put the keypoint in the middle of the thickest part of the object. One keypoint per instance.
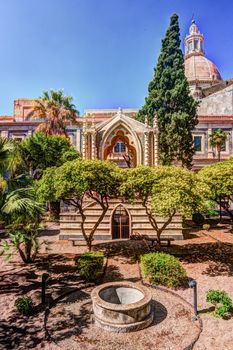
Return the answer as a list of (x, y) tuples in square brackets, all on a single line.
[(120, 223)]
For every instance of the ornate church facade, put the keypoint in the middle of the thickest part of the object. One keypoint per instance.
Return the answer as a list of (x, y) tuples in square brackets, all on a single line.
[(117, 135)]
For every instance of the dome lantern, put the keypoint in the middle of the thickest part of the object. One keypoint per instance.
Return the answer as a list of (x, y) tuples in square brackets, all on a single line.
[(194, 41)]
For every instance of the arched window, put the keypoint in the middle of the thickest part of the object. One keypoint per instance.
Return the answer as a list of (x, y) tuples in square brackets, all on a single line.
[(120, 223), (119, 147)]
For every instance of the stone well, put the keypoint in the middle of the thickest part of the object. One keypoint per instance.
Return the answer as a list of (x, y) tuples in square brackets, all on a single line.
[(122, 306)]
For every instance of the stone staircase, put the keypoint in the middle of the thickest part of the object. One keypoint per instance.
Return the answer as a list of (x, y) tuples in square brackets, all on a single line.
[(70, 226)]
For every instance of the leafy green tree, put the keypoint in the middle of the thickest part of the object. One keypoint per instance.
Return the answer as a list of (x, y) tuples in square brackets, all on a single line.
[(41, 151), (18, 205), (7, 149), (2, 185), (217, 139), (164, 191), (57, 110), (77, 180), (219, 181), (23, 241), (24, 214), (169, 97)]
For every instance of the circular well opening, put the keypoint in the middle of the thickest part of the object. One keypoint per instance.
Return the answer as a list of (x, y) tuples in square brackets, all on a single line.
[(121, 295)]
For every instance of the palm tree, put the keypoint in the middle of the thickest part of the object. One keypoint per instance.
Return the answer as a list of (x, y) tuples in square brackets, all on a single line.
[(24, 214), (7, 148), (217, 140), (20, 205), (57, 110)]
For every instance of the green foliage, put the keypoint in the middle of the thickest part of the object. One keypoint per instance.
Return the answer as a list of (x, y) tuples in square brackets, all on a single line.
[(222, 302), (206, 227), (198, 218), (41, 151), (218, 178), (7, 152), (23, 213), (24, 305), (177, 189), (163, 269), (23, 240), (75, 180), (79, 177), (164, 191), (217, 139), (211, 211), (169, 97), (218, 181), (20, 206), (90, 265), (3, 185), (138, 182)]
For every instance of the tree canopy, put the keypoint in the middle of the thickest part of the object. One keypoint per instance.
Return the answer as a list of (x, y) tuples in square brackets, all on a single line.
[(169, 97), (41, 151), (79, 179), (164, 191), (217, 139), (219, 181), (7, 153)]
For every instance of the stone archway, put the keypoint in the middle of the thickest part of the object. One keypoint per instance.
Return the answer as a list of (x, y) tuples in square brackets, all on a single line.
[(121, 149), (120, 223)]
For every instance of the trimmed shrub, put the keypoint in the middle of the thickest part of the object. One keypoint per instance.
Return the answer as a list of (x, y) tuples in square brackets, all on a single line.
[(163, 269), (222, 302), (206, 227), (24, 305), (90, 265), (198, 219)]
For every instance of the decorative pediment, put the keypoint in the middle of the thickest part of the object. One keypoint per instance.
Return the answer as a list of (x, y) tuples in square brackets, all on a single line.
[(120, 118)]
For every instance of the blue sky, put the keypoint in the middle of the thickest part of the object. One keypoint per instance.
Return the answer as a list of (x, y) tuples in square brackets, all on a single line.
[(102, 52)]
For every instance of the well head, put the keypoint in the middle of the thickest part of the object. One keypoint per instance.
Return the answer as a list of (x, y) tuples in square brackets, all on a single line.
[(122, 306)]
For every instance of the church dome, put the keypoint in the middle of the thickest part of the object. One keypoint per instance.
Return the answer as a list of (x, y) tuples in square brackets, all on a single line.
[(199, 68)]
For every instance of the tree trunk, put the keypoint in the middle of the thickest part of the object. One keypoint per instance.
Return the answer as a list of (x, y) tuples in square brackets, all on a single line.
[(54, 210), (28, 250), (21, 253), (89, 245), (219, 152), (154, 224), (160, 231)]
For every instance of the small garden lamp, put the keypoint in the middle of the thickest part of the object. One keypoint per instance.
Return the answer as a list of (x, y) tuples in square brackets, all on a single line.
[(45, 278), (193, 285)]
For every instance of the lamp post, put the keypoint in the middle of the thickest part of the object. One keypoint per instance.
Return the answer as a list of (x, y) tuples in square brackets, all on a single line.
[(193, 285), (45, 278)]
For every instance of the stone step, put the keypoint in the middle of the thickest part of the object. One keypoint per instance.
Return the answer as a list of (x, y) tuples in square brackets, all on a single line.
[(87, 226), (70, 233), (106, 221)]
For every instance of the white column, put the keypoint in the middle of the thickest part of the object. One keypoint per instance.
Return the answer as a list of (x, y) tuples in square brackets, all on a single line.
[(146, 137), (156, 141), (209, 149), (93, 145), (78, 140), (84, 145), (84, 140)]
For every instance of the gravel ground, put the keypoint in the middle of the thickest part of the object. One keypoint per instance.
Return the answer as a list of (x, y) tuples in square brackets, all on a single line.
[(208, 262), (172, 327)]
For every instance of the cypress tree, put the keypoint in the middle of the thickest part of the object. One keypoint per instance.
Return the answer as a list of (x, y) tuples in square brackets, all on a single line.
[(169, 97)]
